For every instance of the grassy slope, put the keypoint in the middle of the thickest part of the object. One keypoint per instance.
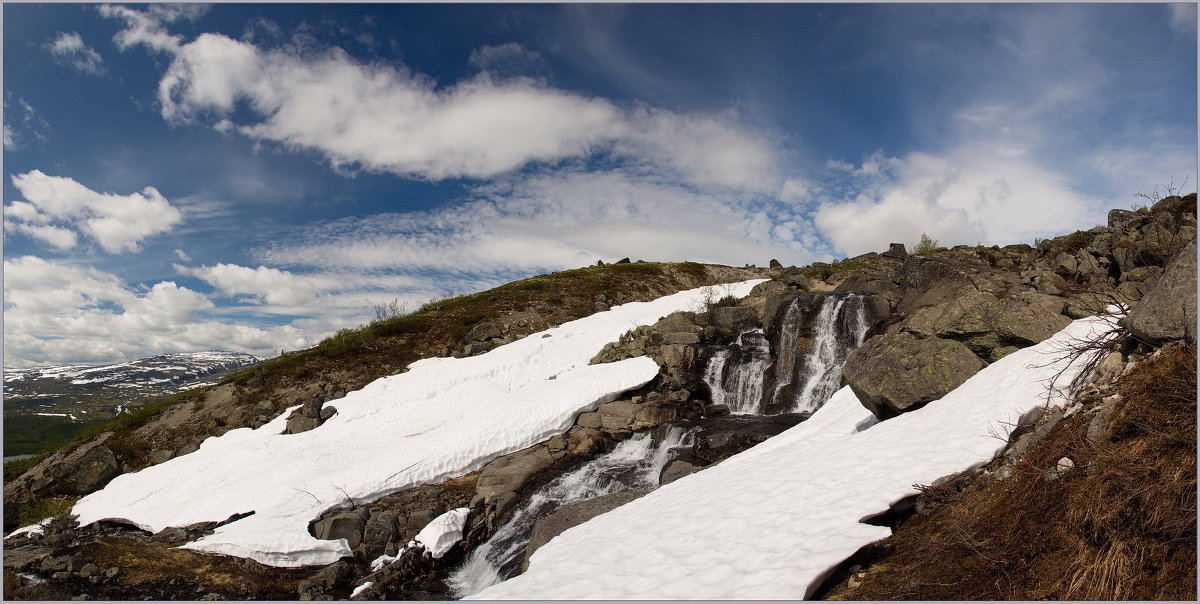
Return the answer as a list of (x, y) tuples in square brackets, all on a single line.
[(1121, 526)]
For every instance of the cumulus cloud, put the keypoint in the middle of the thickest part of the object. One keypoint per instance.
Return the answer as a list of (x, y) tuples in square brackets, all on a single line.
[(68, 49), (967, 196), (54, 205), (61, 313), (379, 117)]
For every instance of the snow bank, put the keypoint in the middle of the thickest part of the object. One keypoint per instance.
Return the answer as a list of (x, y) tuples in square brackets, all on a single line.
[(769, 523), (443, 532), (443, 418)]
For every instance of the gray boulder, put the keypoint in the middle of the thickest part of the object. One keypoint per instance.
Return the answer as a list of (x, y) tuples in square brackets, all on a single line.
[(344, 525), (895, 250), (676, 469), (931, 319), (1168, 310), (995, 328), (735, 318), (483, 332), (894, 373), (574, 514), (509, 473), (87, 468)]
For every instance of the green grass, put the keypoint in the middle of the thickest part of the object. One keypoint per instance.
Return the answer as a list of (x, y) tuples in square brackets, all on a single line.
[(41, 509)]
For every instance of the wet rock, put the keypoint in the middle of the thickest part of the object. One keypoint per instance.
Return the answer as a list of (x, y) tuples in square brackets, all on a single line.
[(724, 437), (894, 373), (676, 469), (574, 514), (509, 473), (618, 415)]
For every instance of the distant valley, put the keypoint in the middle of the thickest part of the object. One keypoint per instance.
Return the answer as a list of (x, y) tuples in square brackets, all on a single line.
[(43, 405)]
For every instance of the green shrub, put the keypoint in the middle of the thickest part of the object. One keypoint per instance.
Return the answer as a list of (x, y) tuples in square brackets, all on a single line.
[(927, 245), (38, 510)]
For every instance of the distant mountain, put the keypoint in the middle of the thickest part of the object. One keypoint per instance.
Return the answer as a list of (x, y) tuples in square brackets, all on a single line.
[(117, 383)]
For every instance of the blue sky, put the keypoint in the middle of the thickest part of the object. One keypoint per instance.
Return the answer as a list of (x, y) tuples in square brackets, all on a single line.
[(253, 177)]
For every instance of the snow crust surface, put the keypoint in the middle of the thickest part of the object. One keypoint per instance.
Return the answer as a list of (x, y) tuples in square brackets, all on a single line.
[(771, 522), (443, 418)]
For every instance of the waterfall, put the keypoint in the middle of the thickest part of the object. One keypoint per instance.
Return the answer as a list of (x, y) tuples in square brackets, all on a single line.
[(839, 328), (634, 464), (739, 384)]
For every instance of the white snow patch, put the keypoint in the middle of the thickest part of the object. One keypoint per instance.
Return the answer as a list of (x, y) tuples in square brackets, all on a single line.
[(361, 588), (34, 529), (443, 418), (771, 522), (443, 532)]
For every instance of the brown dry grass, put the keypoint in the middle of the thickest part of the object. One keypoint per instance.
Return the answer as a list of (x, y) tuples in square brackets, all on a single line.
[(1121, 525)]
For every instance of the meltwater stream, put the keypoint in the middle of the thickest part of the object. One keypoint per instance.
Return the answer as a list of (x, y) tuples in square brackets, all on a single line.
[(634, 464)]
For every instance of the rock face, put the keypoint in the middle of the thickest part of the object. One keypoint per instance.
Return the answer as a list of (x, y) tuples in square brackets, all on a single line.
[(895, 373), (1168, 311), (723, 437)]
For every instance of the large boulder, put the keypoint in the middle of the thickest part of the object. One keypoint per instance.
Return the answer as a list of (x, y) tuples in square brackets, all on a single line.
[(894, 373), (574, 514), (346, 525), (509, 473), (734, 318), (1168, 310), (996, 328), (88, 468), (933, 318)]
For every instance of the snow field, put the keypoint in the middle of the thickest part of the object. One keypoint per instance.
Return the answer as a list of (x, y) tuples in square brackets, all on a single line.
[(441, 419), (771, 522)]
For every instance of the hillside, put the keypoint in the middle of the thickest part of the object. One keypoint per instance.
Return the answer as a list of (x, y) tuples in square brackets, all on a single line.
[(874, 350)]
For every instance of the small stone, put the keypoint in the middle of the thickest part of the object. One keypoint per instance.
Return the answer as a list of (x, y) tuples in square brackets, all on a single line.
[(88, 570)]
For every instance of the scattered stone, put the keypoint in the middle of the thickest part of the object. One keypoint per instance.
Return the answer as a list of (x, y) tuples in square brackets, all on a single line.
[(483, 332), (88, 570), (264, 407)]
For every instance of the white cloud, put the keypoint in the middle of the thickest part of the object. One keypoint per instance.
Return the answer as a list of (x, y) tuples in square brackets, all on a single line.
[(382, 118), (508, 60), (968, 196), (553, 221), (68, 49), (118, 223), (1182, 17), (22, 123), (61, 313), (10, 138)]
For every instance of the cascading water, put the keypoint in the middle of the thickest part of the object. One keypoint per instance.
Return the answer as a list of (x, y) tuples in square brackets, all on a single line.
[(634, 464), (839, 328), (739, 385)]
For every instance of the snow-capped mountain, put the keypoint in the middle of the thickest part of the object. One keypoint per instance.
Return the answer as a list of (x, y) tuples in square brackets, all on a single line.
[(120, 382)]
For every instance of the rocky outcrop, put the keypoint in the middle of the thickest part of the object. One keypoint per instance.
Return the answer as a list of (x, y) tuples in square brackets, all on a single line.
[(723, 437), (895, 373), (994, 328), (1168, 310), (87, 468)]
